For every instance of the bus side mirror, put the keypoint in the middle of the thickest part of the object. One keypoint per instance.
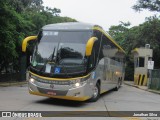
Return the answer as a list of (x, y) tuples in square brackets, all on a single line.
[(89, 45), (25, 41)]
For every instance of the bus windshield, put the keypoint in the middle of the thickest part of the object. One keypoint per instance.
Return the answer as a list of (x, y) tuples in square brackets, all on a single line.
[(60, 52)]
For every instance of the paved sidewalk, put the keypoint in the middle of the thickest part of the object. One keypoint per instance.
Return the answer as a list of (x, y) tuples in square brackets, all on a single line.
[(131, 83), (12, 83)]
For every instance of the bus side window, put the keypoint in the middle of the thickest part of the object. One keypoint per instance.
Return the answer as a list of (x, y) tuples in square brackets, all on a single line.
[(97, 46), (92, 60)]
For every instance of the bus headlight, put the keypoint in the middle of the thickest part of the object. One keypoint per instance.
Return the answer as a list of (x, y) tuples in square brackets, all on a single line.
[(77, 84), (32, 80)]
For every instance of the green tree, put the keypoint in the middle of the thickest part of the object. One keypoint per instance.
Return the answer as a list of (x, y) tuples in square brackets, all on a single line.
[(152, 5), (10, 23), (138, 36), (120, 32), (148, 33), (19, 19)]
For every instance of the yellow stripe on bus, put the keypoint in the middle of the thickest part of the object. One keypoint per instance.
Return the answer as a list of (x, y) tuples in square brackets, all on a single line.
[(48, 78)]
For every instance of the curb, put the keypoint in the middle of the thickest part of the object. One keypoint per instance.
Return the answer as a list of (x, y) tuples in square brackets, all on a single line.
[(154, 91), (5, 84), (149, 90)]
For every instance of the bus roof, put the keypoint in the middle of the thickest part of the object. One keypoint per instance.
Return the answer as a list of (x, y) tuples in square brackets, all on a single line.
[(79, 26), (69, 26)]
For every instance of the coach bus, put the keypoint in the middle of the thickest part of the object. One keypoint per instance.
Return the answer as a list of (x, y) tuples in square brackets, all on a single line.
[(74, 61)]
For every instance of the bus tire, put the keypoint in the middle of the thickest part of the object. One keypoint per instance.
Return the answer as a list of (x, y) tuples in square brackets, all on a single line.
[(118, 85), (96, 93), (120, 81)]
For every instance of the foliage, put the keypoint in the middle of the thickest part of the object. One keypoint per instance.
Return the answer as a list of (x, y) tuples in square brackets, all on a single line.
[(152, 5), (138, 36), (19, 19), (119, 32)]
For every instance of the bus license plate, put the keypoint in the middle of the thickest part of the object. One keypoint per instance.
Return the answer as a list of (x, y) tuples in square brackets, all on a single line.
[(51, 93)]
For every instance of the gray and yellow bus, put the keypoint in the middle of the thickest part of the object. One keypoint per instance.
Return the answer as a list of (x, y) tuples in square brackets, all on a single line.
[(74, 61)]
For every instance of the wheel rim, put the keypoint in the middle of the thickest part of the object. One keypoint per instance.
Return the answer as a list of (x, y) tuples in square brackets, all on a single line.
[(95, 92), (118, 85)]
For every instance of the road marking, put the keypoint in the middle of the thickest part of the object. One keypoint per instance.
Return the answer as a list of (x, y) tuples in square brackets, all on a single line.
[(133, 118)]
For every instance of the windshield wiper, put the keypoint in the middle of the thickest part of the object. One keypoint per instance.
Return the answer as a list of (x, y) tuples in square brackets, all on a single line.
[(53, 54), (48, 60)]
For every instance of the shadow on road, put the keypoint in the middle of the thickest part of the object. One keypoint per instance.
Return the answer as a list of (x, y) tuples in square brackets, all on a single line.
[(107, 93), (61, 102)]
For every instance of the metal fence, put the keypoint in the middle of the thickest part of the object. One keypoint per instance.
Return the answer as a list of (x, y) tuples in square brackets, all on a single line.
[(15, 75), (155, 79), (7, 77)]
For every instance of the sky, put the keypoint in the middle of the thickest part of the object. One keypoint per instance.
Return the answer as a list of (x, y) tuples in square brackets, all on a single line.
[(101, 12)]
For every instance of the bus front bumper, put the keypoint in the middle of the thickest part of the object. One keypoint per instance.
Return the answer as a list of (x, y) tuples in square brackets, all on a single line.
[(67, 92), (61, 97)]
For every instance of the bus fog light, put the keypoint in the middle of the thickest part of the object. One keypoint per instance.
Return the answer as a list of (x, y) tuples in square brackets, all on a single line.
[(31, 80), (77, 84)]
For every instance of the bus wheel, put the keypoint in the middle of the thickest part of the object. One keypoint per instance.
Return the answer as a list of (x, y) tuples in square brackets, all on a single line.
[(118, 85), (96, 93)]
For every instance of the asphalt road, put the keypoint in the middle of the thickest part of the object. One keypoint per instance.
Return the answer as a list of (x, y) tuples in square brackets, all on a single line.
[(17, 98)]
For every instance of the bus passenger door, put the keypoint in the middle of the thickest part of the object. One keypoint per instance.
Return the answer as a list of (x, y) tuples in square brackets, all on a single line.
[(101, 71), (108, 74)]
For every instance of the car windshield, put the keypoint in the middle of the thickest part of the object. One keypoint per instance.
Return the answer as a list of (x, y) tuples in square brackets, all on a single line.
[(63, 50)]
